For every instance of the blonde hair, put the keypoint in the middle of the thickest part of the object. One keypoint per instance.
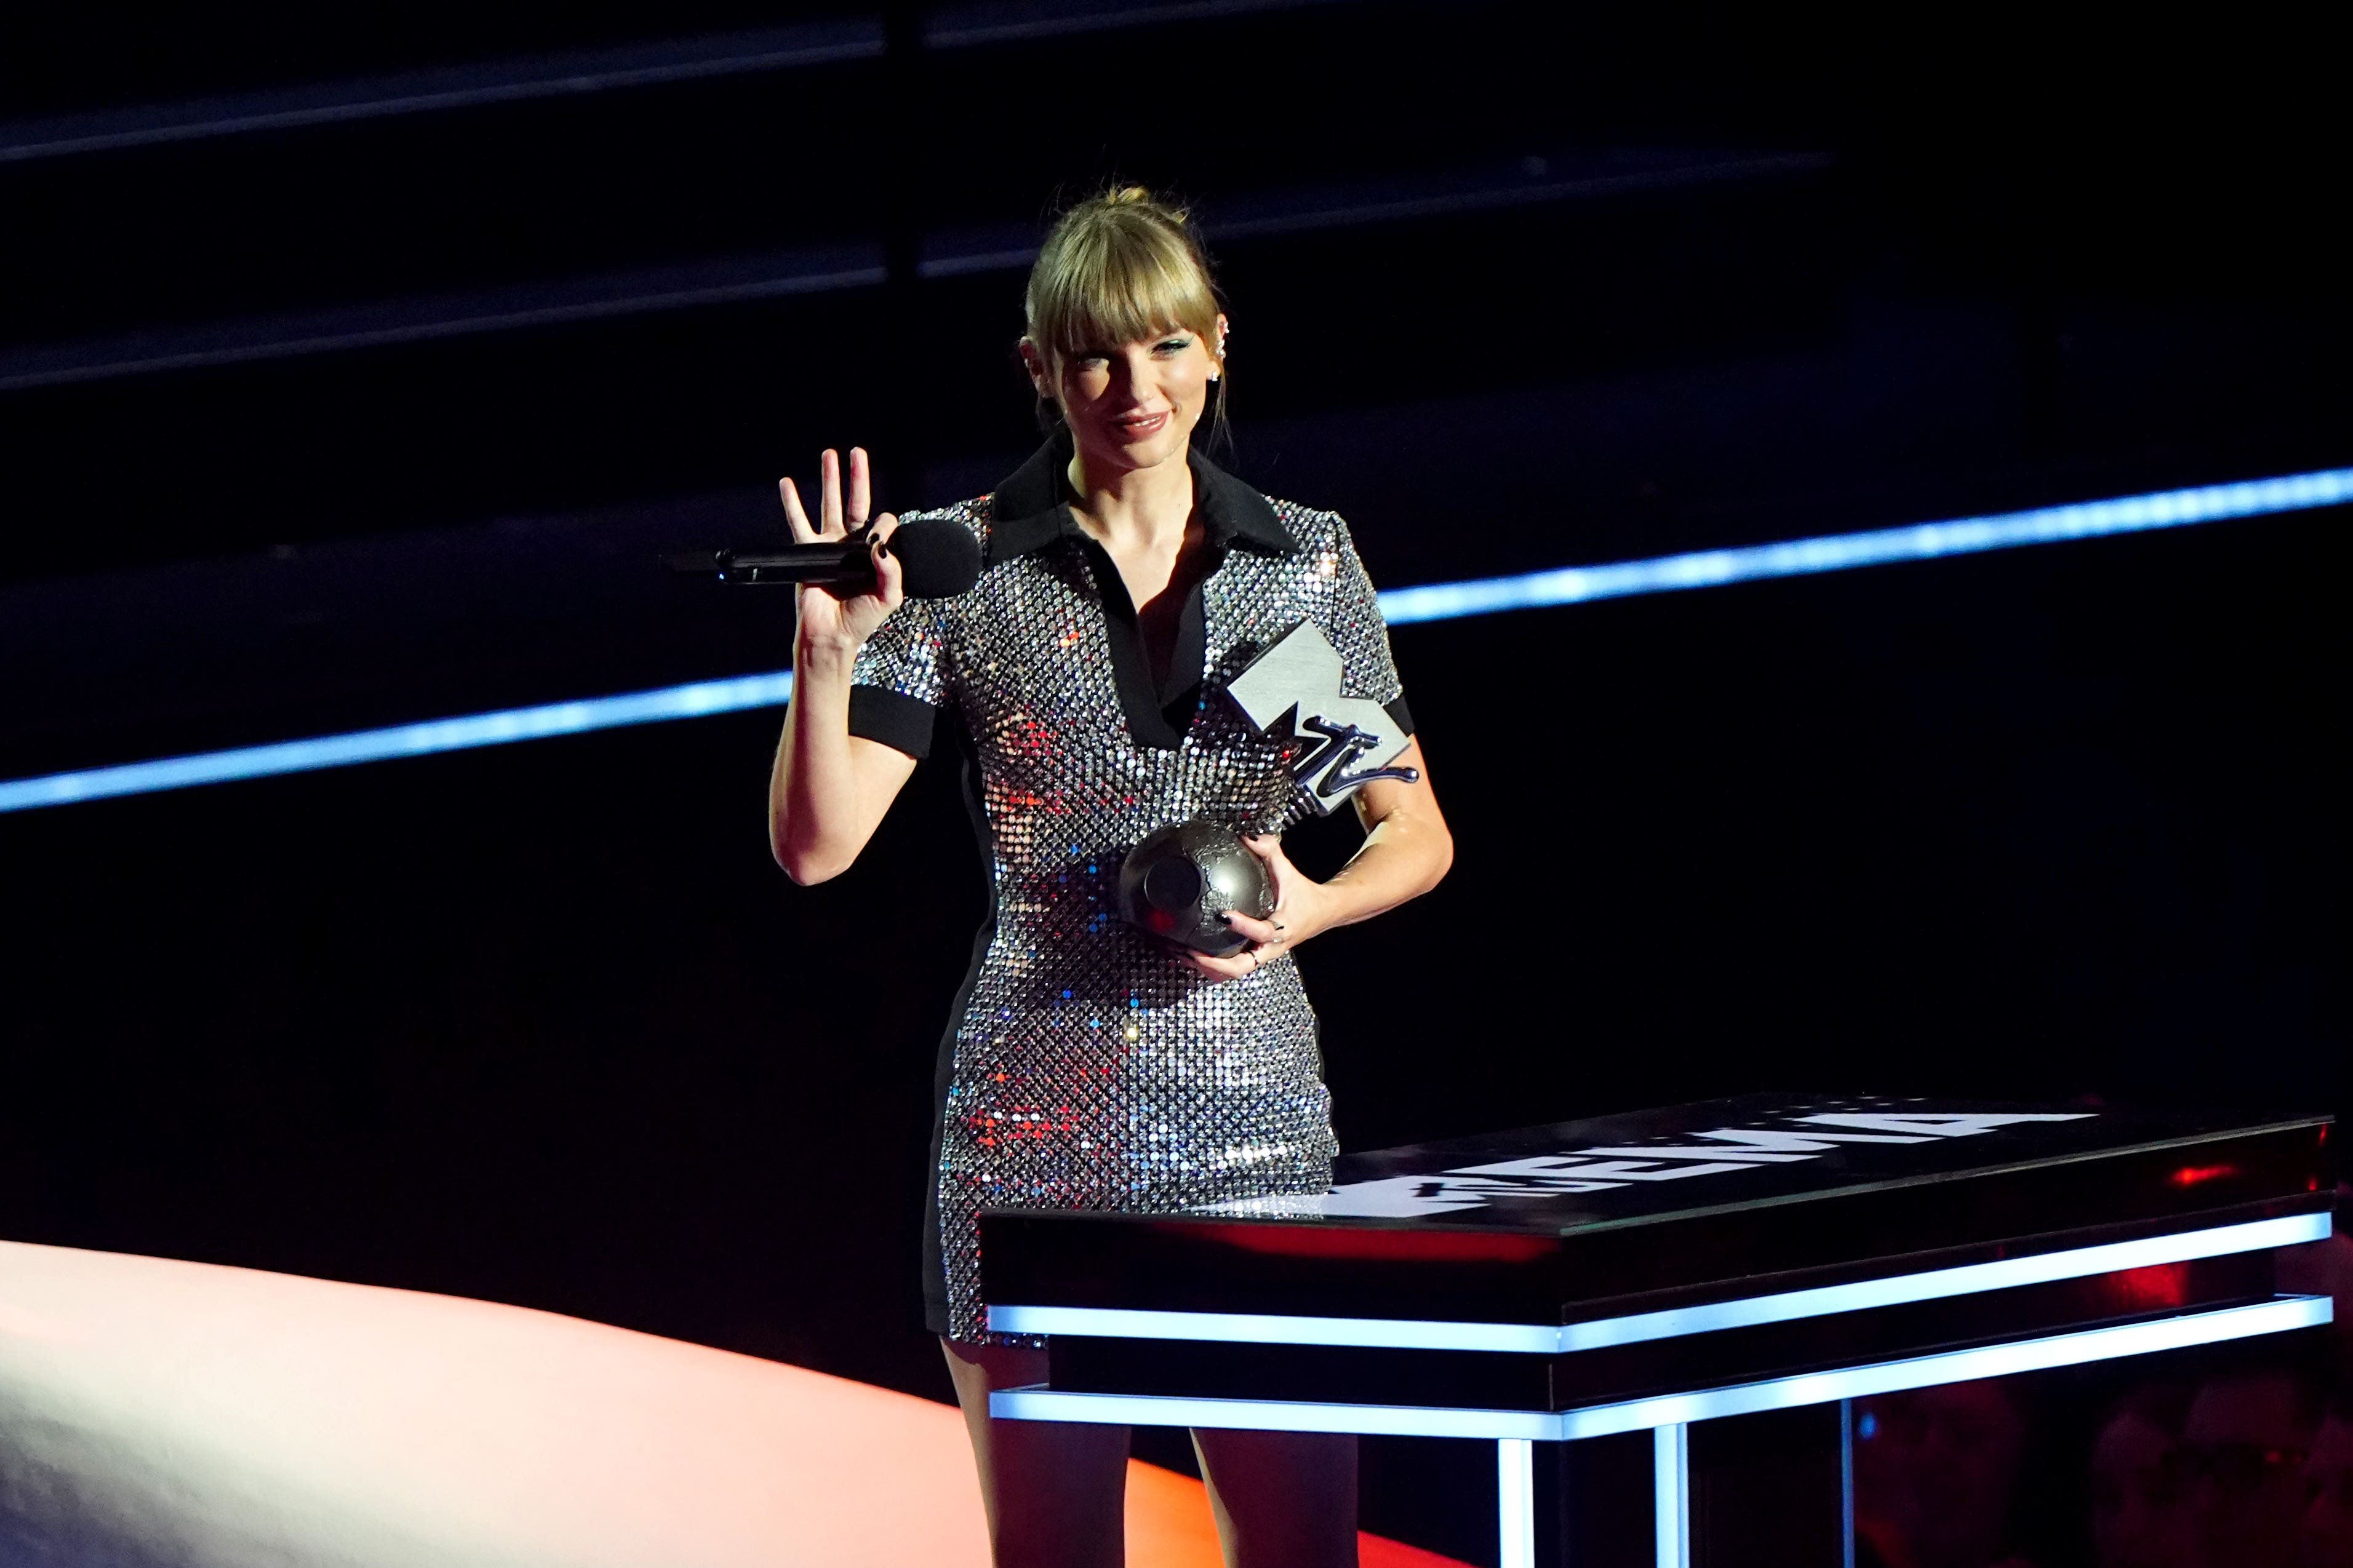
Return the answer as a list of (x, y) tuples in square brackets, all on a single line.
[(1118, 267)]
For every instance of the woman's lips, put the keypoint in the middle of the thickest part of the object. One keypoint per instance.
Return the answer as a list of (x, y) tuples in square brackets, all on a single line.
[(1139, 427)]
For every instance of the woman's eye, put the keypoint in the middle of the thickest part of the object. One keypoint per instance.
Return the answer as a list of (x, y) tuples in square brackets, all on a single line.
[(1175, 345)]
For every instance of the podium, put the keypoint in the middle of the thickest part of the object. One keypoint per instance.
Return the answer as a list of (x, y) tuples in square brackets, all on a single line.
[(1646, 1271)]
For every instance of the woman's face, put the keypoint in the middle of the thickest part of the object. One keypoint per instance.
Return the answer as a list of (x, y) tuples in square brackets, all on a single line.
[(1129, 405)]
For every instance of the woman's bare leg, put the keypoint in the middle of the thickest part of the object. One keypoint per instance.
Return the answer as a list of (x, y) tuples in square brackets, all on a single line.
[(1056, 1491), (1282, 1500)]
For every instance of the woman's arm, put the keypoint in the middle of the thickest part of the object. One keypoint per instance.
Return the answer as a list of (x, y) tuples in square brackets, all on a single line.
[(830, 788), (1407, 849)]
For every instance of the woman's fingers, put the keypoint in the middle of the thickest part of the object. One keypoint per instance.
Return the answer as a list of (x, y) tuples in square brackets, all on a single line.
[(888, 585), (796, 515), (1260, 932), (829, 494), (1267, 941), (861, 487), (836, 515), (1232, 968), (1268, 847)]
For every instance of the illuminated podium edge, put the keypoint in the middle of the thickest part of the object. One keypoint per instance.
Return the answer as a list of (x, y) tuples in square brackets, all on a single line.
[(1666, 1417), (2279, 1315), (1730, 1390), (1241, 1328)]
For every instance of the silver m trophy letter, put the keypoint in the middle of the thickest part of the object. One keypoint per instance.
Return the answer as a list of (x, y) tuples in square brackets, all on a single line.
[(1334, 743)]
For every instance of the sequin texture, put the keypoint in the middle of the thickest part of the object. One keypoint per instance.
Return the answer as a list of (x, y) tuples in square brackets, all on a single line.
[(1094, 1068)]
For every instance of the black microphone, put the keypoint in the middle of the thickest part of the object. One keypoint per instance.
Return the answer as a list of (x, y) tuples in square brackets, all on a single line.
[(938, 559)]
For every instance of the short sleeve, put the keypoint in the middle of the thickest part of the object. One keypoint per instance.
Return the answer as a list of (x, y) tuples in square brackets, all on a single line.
[(1354, 624), (900, 681)]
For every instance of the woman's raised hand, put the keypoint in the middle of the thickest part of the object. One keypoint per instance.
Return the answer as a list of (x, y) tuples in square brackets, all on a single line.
[(834, 616)]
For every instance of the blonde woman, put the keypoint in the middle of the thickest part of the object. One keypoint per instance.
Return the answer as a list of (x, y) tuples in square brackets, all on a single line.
[(1086, 1064)]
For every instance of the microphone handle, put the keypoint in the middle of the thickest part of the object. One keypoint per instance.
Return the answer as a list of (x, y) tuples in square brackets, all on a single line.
[(832, 560)]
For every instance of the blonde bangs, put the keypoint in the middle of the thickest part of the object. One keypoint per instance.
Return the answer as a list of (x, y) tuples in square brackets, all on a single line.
[(1119, 270)]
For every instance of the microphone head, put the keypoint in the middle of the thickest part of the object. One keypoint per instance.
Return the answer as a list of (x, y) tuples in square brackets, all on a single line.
[(938, 558)]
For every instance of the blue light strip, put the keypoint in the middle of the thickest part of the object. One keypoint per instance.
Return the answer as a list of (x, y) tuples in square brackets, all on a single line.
[(698, 700), (444, 88), (1248, 1328), (2276, 1316), (1401, 606), (1846, 1483), (1840, 552)]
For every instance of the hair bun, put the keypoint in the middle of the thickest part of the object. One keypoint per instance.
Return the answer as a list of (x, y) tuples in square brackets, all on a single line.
[(1142, 196)]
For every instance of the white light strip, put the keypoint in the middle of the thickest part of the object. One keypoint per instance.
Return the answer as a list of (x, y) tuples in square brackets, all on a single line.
[(696, 700), (1270, 1329), (1515, 1502), (1272, 1416), (2280, 1315), (1244, 1328), (1401, 606), (1839, 552), (1671, 1495), (2277, 1316)]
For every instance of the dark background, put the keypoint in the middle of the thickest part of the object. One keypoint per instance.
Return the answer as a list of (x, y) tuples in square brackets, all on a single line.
[(378, 416)]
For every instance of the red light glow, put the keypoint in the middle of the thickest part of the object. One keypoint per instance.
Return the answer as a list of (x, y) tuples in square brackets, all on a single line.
[(2146, 1289), (1380, 1245)]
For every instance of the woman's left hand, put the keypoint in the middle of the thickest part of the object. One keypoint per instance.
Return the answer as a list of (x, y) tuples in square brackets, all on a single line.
[(1298, 904)]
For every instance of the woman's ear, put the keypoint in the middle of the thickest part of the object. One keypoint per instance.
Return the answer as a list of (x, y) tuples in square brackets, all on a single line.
[(1219, 353), (1033, 360)]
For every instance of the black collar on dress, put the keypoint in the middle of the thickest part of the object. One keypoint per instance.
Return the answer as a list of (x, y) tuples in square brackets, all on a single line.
[(1031, 508)]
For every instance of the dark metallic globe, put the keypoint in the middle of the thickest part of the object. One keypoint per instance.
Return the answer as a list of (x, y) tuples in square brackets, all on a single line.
[(1180, 881)]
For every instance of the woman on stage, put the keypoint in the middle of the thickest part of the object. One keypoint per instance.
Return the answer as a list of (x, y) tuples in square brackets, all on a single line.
[(1089, 1065)]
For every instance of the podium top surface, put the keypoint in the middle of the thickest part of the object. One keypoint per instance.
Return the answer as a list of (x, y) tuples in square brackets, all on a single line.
[(1760, 1150), (1706, 1197)]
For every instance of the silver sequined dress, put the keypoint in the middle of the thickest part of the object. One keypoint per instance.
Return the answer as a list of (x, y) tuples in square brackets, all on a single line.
[(1088, 1065)]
